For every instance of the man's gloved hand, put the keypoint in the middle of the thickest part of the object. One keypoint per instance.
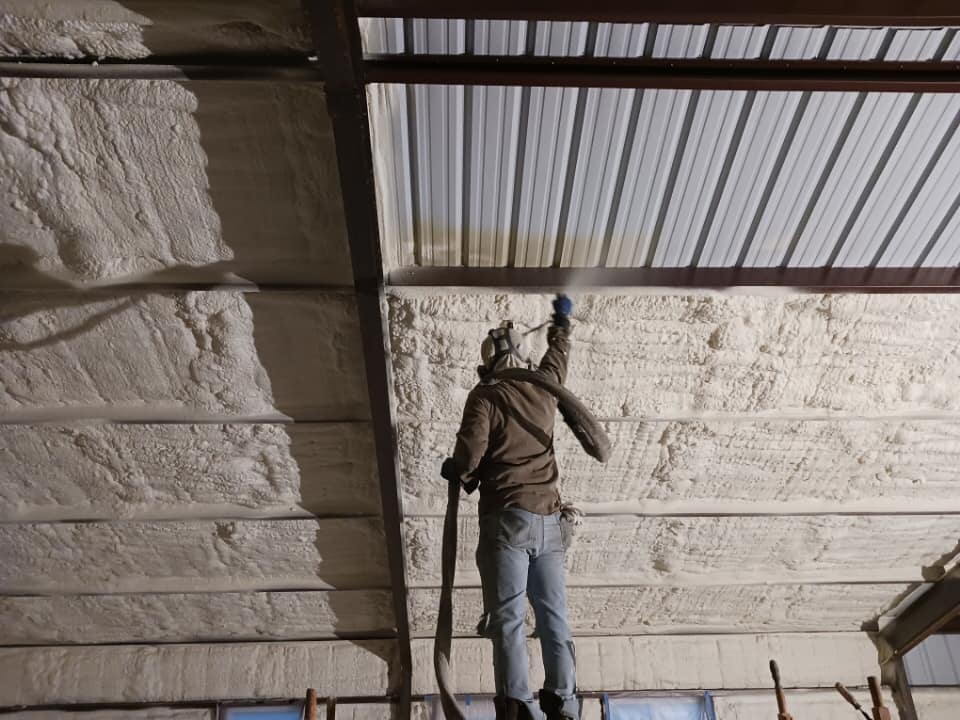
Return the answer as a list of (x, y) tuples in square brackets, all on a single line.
[(571, 519), (451, 473), (448, 471), (562, 307)]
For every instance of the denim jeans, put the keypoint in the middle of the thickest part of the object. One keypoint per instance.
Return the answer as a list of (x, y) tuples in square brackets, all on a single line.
[(521, 555)]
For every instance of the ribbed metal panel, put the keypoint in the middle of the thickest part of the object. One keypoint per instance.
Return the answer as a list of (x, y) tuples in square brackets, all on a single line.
[(577, 177), (796, 180), (382, 35), (935, 661), (680, 41), (659, 136), (546, 139), (499, 37), (923, 235), (620, 40), (606, 121), (493, 117), (437, 123), (918, 44), (390, 129), (770, 126), (671, 41), (799, 43), (903, 181), (880, 165), (714, 127), (953, 49)]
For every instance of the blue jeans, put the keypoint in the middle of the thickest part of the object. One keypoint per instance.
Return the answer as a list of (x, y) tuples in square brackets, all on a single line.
[(521, 554)]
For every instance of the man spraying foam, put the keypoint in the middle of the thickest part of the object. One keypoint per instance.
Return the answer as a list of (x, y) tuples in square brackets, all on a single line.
[(505, 446)]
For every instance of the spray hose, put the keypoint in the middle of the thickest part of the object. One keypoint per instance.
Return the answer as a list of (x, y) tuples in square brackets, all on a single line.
[(595, 442)]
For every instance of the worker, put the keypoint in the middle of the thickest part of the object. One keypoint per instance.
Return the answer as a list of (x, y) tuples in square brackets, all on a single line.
[(505, 446)]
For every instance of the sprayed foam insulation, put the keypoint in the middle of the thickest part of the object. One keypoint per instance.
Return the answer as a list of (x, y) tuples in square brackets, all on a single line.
[(818, 704), (703, 550), (200, 556), (153, 181), (176, 673), (931, 704), (672, 662), (676, 609), (150, 713), (180, 356), (372, 711), (665, 356), (755, 466), (194, 617), (185, 471), (139, 28), (936, 703)]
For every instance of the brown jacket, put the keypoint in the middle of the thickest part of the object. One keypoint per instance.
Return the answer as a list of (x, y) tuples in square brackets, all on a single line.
[(506, 437)]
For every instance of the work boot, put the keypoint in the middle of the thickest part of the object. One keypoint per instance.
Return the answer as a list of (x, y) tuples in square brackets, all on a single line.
[(552, 706), (511, 709)]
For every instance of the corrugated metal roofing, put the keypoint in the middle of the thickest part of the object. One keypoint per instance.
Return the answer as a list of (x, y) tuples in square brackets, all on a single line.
[(510, 37), (935, 661), (574, 177)]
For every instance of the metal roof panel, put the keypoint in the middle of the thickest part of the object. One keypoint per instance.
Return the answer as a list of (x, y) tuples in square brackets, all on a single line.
[(658, 140), (758, 159), (389, 128), (585, 177), (902, 179), (714, 129), (606, 121)]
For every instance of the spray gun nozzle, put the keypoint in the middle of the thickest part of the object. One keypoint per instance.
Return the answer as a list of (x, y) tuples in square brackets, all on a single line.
[(535, 329)]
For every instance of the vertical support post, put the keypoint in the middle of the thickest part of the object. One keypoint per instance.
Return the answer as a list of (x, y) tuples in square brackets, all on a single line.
[(331, 709), (336, 37), (310, 708), (894, 675)]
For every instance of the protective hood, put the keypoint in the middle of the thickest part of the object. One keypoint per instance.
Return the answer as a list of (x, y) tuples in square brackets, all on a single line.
[(504, 348)]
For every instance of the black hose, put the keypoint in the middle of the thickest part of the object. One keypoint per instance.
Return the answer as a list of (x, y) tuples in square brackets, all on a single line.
[(575, 414), (594, 440), (441, 646)]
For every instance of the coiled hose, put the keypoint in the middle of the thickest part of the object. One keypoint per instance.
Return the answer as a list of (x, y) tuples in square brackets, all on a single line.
[(595, 442)]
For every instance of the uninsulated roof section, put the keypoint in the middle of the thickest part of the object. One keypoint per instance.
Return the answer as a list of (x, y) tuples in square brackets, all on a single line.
[(569, 39), (571, 177)]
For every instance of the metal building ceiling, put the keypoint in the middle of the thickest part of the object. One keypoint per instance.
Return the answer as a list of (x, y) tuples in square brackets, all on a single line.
[(570, 177)]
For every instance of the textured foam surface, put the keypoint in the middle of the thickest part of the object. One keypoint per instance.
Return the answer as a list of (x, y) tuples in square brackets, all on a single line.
[(181, 471), (182, 556), (194, 617), (156, 181), (180, 356), (170, 673), (138, 28)]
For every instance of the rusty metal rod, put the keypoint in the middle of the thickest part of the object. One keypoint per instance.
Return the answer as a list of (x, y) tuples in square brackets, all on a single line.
[(782, 713), (848, 696), (310, 710)]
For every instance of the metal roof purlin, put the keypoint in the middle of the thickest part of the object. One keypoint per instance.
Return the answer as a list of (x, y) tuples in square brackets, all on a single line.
[(336, 35), (665, 73), (809, 279)]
